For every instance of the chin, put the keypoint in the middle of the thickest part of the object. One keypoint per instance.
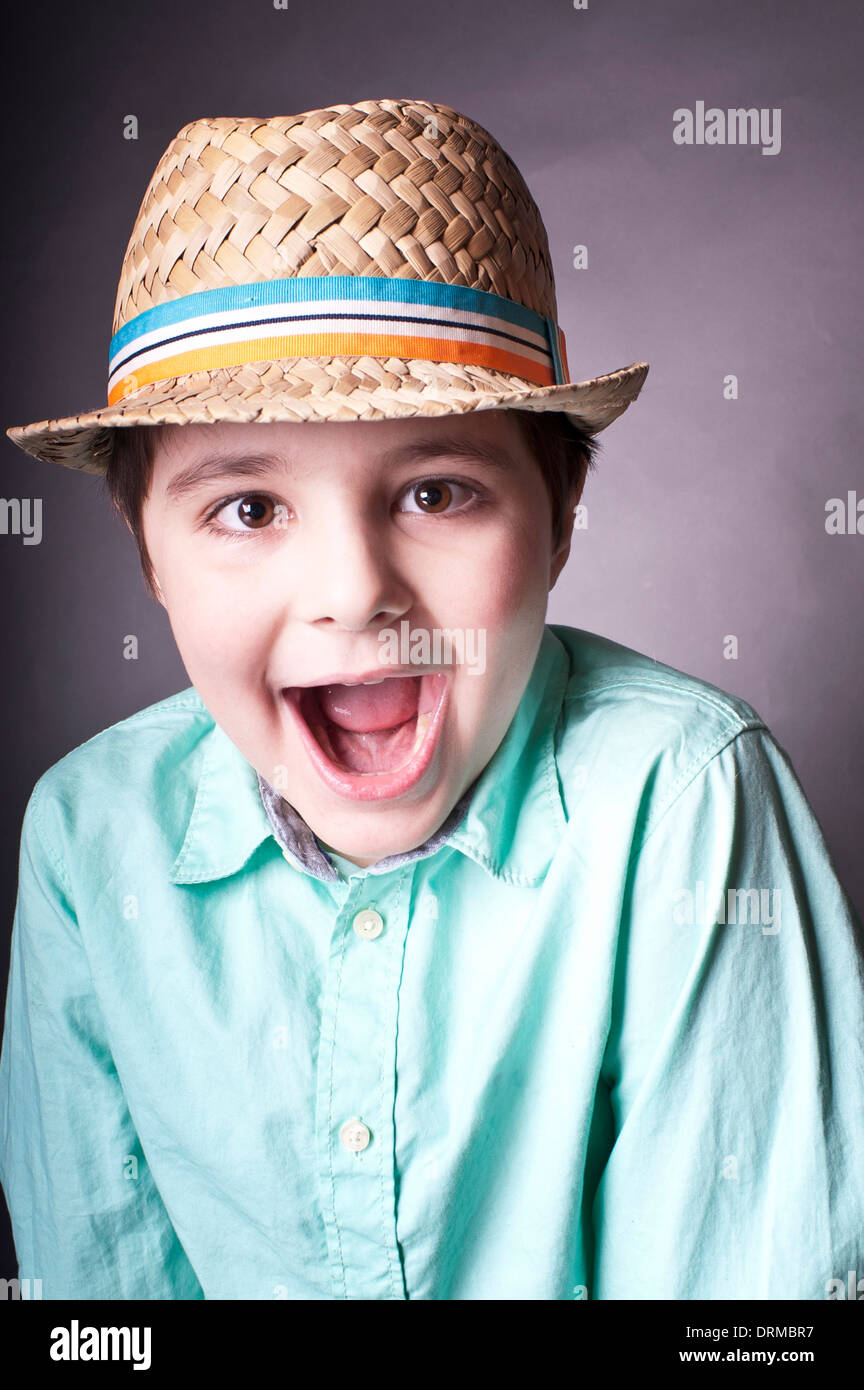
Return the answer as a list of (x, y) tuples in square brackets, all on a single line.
[(373, 835)]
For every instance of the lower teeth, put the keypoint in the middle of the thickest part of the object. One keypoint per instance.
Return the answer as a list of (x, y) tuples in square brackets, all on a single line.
[(423, 722)]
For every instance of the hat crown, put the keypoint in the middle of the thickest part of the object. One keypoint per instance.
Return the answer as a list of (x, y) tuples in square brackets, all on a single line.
[(373, 261), (392, 188)]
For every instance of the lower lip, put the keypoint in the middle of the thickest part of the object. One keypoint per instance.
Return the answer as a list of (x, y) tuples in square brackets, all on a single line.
[(372, 786)]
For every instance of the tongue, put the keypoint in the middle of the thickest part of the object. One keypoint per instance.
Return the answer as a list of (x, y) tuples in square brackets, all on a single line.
[(364, 708)]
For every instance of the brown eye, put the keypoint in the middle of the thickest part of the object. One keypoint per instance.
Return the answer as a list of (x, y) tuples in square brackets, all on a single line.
[(433, 497), (254, 512)]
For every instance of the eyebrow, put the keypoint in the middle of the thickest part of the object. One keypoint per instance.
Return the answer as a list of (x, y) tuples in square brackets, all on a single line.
[(219, 466), (216, 466)]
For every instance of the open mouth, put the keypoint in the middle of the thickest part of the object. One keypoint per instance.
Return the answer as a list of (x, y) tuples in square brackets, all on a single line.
[(375, 739)]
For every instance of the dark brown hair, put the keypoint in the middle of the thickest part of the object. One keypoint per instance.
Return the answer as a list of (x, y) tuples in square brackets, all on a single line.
[(564, 452)]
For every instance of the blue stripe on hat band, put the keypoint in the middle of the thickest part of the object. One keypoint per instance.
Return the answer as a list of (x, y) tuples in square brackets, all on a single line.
[(323, 290)]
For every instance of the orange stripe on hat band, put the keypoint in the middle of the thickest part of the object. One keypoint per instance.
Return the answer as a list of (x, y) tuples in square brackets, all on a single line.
[(235, 354), (333, 316)]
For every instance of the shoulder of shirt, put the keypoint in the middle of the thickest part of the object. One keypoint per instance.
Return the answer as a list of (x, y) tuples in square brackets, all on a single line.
[(126, 768), (633, 719)]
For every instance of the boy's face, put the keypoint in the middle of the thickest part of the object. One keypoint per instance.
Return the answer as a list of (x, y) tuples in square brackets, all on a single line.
[(323, 537)]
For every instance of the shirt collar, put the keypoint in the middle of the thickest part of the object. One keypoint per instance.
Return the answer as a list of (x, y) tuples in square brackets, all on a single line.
[(302, 847), (516, 816), (509, 821)]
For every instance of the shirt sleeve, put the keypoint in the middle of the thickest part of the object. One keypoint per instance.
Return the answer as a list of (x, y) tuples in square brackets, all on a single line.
[(87, 1218), (735, 1057)]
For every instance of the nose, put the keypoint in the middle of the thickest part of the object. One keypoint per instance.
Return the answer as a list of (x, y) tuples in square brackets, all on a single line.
[(349, 575)]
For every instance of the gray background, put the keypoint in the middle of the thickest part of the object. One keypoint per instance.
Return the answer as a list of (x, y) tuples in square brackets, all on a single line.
[(706, 516)]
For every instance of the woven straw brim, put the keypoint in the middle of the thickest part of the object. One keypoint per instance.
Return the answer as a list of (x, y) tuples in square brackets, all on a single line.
[(323, 389)]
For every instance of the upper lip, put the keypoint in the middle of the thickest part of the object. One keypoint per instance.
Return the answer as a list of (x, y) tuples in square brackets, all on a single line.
[(376, 674)]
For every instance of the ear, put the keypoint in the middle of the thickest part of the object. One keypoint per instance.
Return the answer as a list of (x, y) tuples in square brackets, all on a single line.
[(561, 554)]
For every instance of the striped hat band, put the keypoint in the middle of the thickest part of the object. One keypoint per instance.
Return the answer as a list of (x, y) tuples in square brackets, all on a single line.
[(334, 316)]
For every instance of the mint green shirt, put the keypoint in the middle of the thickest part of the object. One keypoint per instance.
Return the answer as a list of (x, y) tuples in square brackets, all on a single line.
[(601, 1037)]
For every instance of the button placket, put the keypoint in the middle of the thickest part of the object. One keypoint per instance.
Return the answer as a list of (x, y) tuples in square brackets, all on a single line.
[(356, 1089)]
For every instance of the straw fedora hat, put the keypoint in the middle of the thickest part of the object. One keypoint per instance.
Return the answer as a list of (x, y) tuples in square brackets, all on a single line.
[(361, 262)]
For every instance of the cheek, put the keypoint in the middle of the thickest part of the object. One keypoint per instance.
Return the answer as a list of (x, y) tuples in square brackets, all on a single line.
[(507, 599), (216, 628), (511, 575)]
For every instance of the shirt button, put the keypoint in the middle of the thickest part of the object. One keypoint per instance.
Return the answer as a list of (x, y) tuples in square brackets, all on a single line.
[(355, 1135), (368, 924)]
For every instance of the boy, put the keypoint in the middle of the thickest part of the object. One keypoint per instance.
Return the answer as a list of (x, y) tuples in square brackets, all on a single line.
[(419, 949)]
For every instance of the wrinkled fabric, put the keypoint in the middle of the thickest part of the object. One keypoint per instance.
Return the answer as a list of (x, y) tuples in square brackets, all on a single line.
[(609, 1042)]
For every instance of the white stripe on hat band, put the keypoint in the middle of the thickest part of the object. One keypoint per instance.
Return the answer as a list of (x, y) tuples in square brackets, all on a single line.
[(227, 317), (403, 328)]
